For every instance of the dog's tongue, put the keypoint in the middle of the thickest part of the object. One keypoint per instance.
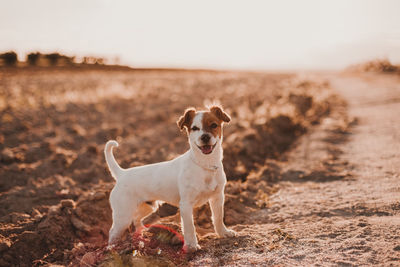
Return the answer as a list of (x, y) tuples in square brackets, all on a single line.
[(206, 149)]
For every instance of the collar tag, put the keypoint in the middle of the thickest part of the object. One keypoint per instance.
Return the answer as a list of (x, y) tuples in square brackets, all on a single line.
[(212, 168)]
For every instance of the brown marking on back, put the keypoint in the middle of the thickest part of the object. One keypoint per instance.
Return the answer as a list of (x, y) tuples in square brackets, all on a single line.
[(186, 119), (209, 118)]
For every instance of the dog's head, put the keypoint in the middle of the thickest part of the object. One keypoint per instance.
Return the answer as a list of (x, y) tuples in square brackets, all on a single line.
[(204, 128)]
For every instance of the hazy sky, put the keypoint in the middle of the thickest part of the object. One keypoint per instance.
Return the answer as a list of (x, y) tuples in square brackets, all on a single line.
[(212, 33)]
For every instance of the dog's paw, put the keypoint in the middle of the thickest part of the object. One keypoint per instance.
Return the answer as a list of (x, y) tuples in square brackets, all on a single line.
[(228, 233), (110, 247), (189, 248)]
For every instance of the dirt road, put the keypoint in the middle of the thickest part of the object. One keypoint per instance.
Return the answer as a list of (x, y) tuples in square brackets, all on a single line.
[(339, 198)]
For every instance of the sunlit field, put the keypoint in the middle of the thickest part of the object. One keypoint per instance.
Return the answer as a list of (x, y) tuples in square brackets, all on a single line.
[(311, 153), (55, 122)]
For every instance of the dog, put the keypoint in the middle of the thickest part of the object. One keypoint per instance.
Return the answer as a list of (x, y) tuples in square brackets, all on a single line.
[(188, 181)]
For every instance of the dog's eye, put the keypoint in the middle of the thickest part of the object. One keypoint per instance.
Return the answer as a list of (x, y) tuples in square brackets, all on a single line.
[(195, 128), (214, 125)]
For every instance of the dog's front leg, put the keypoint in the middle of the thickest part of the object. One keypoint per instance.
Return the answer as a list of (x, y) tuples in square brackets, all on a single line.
[(189, 233), (217, 211)]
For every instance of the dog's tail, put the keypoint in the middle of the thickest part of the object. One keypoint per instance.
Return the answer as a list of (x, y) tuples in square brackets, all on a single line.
[(115, 169)]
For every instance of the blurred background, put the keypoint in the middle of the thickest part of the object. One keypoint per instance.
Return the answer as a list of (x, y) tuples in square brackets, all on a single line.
[(225, 34)]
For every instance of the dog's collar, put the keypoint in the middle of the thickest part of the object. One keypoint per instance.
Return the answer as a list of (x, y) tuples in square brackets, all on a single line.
[(212, 168)]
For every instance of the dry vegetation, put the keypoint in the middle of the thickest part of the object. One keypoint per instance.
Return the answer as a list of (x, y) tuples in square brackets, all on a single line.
[(54, 59), (54, 185), (377, 65)]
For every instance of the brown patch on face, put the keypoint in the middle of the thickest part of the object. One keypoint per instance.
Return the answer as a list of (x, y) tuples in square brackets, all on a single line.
[(187, 119), (212, 124)]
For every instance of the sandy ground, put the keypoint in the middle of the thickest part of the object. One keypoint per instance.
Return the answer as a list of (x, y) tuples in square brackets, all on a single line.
[(338, 203), (322, 189), (54, 122)]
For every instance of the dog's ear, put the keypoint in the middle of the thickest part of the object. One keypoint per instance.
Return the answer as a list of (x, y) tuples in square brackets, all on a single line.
[(186, 119), (220, 114)]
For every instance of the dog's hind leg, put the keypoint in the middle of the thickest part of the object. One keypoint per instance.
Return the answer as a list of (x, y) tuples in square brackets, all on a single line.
[(142, 212), (122, 216)]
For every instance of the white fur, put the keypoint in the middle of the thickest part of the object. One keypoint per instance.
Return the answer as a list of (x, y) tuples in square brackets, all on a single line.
[(187, 181)]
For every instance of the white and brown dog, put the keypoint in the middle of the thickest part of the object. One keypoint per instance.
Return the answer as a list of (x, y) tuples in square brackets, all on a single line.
[(187, 181)]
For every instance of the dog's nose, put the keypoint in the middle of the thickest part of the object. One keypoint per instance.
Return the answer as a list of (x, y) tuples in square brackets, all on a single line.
[(205, 138)]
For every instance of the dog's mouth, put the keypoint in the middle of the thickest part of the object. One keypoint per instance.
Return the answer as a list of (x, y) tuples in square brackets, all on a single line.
[(207, 149)]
